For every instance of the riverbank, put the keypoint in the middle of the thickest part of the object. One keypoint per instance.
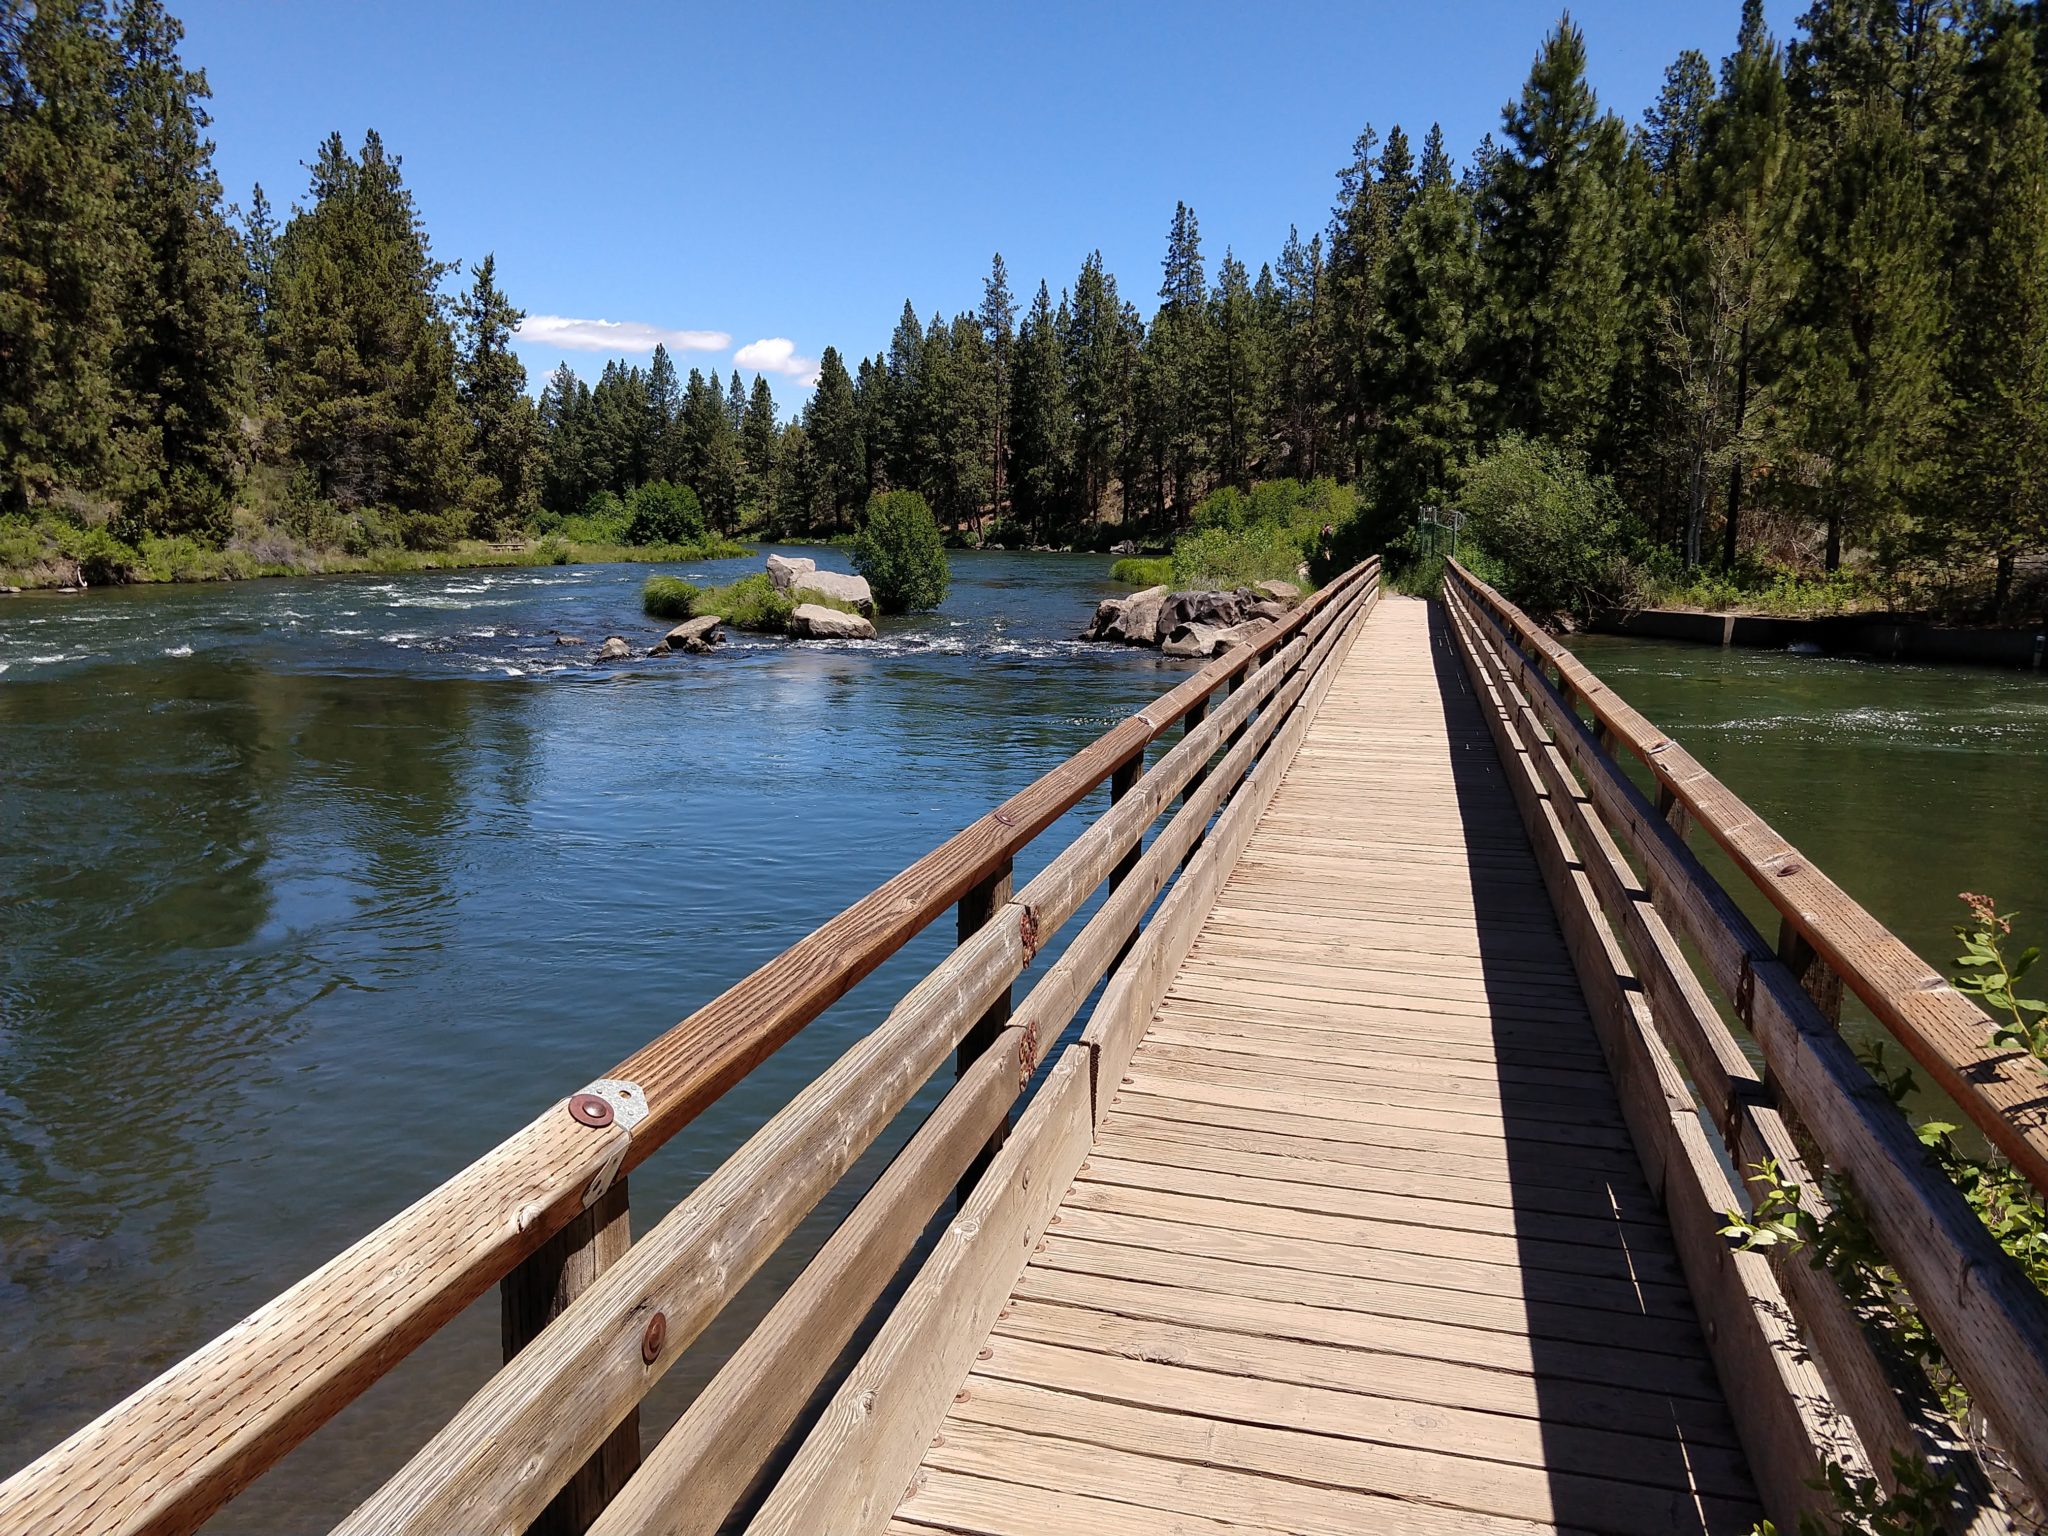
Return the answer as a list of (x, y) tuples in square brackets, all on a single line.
[(51, 556), (1886, 636)]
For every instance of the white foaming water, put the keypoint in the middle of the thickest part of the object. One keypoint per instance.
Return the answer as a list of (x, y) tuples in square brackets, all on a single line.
[(178, 650)]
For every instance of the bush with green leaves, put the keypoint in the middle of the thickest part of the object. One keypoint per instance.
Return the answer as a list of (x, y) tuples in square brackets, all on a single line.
[(899, 551), (1557, 529), (662, 512), (603, 520), (1222, 558), (753, 603), (1265, 534)]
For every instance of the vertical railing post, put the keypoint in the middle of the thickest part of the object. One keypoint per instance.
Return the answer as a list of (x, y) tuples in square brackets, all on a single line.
[(981, 903), (532, 1296), (1814, 973)]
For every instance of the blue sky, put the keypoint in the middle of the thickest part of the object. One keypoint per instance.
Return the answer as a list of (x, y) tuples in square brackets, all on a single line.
[(767, 179)]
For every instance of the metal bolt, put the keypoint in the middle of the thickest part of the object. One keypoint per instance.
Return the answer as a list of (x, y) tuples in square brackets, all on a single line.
[(986, 1353), (588, 1109), (653, 1337)]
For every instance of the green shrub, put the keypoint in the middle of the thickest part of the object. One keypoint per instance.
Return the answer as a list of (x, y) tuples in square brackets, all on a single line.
[(899, 551), (661, 512), (555, 549), (1139, 571), (667, 597), (1556, 528), (1223, 557), (603, 520)]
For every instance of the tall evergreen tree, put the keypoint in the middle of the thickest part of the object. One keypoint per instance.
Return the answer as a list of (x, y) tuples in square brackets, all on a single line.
[(1176, 363), (362, 356), (664, 402), (998, 316), (759, 438), (1236, 392), (1301, 363), (566, 479), (1361, 231), (491, 382), (1097, 348), (65, 253), (181, 365), (1041, 418), (1997, 498), (1435, 291), (832, 427), (1555, 261)]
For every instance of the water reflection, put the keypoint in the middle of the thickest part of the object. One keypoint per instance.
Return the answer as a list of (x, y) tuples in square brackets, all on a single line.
[(312, 891)]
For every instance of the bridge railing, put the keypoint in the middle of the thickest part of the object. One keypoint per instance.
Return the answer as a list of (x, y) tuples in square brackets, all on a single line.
[(1813, 1110), (591, 1319)]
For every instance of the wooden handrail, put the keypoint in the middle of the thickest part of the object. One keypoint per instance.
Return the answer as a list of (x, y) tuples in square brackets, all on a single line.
[(1992, 1323), (180, 1447), (2004, 1092)]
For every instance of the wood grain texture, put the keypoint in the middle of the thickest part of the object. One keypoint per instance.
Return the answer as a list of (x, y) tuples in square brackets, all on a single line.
[(1363, 1243), (2001, 1090), (1992, 1323)]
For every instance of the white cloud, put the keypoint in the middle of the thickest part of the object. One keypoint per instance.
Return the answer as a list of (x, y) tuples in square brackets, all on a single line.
[(616, 336), (777, 354)]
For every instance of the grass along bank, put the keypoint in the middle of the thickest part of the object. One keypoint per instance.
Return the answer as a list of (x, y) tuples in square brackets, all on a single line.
[(47, 553)]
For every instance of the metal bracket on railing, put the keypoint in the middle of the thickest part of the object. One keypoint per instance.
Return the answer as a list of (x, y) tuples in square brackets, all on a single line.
[(609, 1101)]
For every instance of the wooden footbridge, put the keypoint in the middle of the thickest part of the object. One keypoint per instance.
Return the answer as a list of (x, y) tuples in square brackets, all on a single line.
[(1376, 1132)]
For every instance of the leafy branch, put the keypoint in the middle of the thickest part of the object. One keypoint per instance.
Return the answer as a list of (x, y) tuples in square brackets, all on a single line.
[(1993, 977)]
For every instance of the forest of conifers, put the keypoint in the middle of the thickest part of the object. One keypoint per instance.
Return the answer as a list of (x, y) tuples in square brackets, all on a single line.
[(1795, 319)]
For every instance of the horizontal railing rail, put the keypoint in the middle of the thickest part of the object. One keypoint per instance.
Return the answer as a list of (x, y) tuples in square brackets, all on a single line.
[(1814, 1109), (599, 1321)]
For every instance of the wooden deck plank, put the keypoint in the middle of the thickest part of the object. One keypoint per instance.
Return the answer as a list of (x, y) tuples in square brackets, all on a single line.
[(1363, 1244)]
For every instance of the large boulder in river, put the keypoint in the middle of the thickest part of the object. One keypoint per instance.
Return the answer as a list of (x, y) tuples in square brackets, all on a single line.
[(1190, 640), (811, 622), (1266, 610), (615, 649), (784, 569), (1218, 610), (694, 635), (1279, 592), (1135, 620), (837, 585)]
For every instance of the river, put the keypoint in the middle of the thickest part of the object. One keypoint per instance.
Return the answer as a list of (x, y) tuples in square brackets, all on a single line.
[(314, 890)]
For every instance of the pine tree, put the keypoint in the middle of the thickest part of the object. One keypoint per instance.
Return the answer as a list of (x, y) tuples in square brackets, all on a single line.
[(1176, 364), (1754, 182), (491, 382), (259, 255), (1361, 230), (1997, 497), (362, 356), (736, 403), (1236, 392), (181, 368), (65, 254), (832, 428), (1555, 261), (998, 318), (893, 397), (1873, 312), (1097, 344), (566, 480), (1041, 418), (664, 400), (758, 439), (1434, 294), (1301, 363)]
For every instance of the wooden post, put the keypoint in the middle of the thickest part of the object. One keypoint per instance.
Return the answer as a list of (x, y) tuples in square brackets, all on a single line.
[(1815, 974), (532, 1296), (1671, 810), (981, 903)]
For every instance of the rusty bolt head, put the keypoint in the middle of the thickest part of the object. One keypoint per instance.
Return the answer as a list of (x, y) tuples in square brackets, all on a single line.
[(653, 1337), (985, 1354), (589, 1109)]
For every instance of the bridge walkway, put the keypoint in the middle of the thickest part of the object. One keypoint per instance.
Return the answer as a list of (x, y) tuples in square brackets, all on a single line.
[(1362, 1244)]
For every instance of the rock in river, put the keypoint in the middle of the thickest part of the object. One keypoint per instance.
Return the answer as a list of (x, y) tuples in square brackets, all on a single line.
[(836, 584), (615, 649), (695, 635), (1279, 592), (811, 622), (784, 569)]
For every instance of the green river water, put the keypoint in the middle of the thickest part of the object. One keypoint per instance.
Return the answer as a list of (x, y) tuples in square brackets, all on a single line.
[(312, 891)]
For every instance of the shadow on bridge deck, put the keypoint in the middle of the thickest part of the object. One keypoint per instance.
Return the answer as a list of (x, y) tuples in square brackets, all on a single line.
[(1362, 1244)]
